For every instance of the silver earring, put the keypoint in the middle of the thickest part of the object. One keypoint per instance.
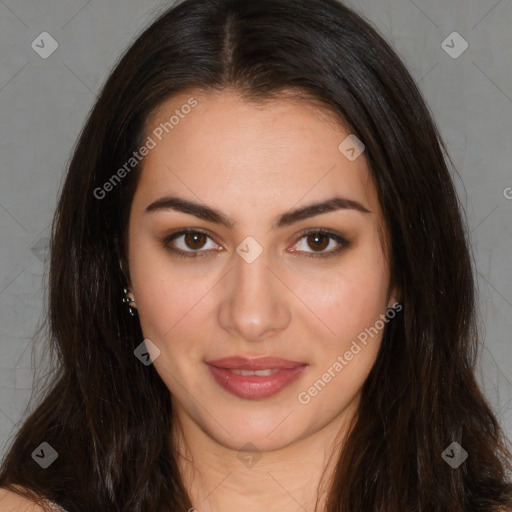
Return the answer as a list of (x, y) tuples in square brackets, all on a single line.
[(128, 300)]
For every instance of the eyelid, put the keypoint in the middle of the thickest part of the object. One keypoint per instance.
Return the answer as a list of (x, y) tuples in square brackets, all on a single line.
[(340, 239), (169, 238)]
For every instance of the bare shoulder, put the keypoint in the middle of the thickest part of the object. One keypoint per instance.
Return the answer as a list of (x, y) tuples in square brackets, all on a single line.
[(13, 502)]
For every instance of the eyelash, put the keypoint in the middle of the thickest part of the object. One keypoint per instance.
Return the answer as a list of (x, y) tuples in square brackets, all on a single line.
[(199, 253)]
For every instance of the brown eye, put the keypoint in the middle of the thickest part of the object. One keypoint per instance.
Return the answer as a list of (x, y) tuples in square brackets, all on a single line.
[(190, 243), (318, 241), (195, 240)]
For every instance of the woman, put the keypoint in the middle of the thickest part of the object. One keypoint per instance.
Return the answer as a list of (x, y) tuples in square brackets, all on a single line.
[(261, 293)]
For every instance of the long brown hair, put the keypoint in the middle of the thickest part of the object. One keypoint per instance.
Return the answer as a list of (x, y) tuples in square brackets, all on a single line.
[(109, 417)]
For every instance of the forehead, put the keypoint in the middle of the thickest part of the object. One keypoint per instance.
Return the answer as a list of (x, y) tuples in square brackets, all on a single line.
[(233, 153)]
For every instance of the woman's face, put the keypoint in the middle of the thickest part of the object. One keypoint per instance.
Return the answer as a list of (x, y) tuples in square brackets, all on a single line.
[(248, 281)]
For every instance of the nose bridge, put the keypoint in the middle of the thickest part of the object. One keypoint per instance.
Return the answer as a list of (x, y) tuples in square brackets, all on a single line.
[(252, 278), (255, 304)]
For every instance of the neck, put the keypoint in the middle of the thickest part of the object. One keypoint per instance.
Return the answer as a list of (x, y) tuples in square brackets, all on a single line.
[(292, 478)]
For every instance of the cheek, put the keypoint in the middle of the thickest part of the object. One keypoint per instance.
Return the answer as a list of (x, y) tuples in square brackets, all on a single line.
[(352, 307), (347, 297), (350, 298), (164, 302), (357, 304), (162, 296)]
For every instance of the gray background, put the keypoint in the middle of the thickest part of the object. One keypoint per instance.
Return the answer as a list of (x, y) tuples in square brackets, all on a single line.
[(44, 103)]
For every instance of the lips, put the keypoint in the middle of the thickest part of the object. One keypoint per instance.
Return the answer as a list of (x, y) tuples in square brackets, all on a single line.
[(256, 378), (259, 363)]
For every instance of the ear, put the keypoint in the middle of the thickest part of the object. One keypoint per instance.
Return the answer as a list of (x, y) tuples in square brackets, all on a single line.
[(123, 264), (131, 296), (395, 296)]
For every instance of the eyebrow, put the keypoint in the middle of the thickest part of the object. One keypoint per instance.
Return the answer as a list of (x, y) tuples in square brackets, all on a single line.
[(216, 216)]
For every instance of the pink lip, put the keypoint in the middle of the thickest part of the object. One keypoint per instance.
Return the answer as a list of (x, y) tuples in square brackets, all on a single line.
[(258, 363), (253, 386)]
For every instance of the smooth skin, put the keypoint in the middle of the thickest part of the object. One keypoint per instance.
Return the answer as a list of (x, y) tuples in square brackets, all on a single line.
[(13, 502), (255, 163)]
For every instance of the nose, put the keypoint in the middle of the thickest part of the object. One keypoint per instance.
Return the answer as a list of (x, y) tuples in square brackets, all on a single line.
[(255, 303)]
